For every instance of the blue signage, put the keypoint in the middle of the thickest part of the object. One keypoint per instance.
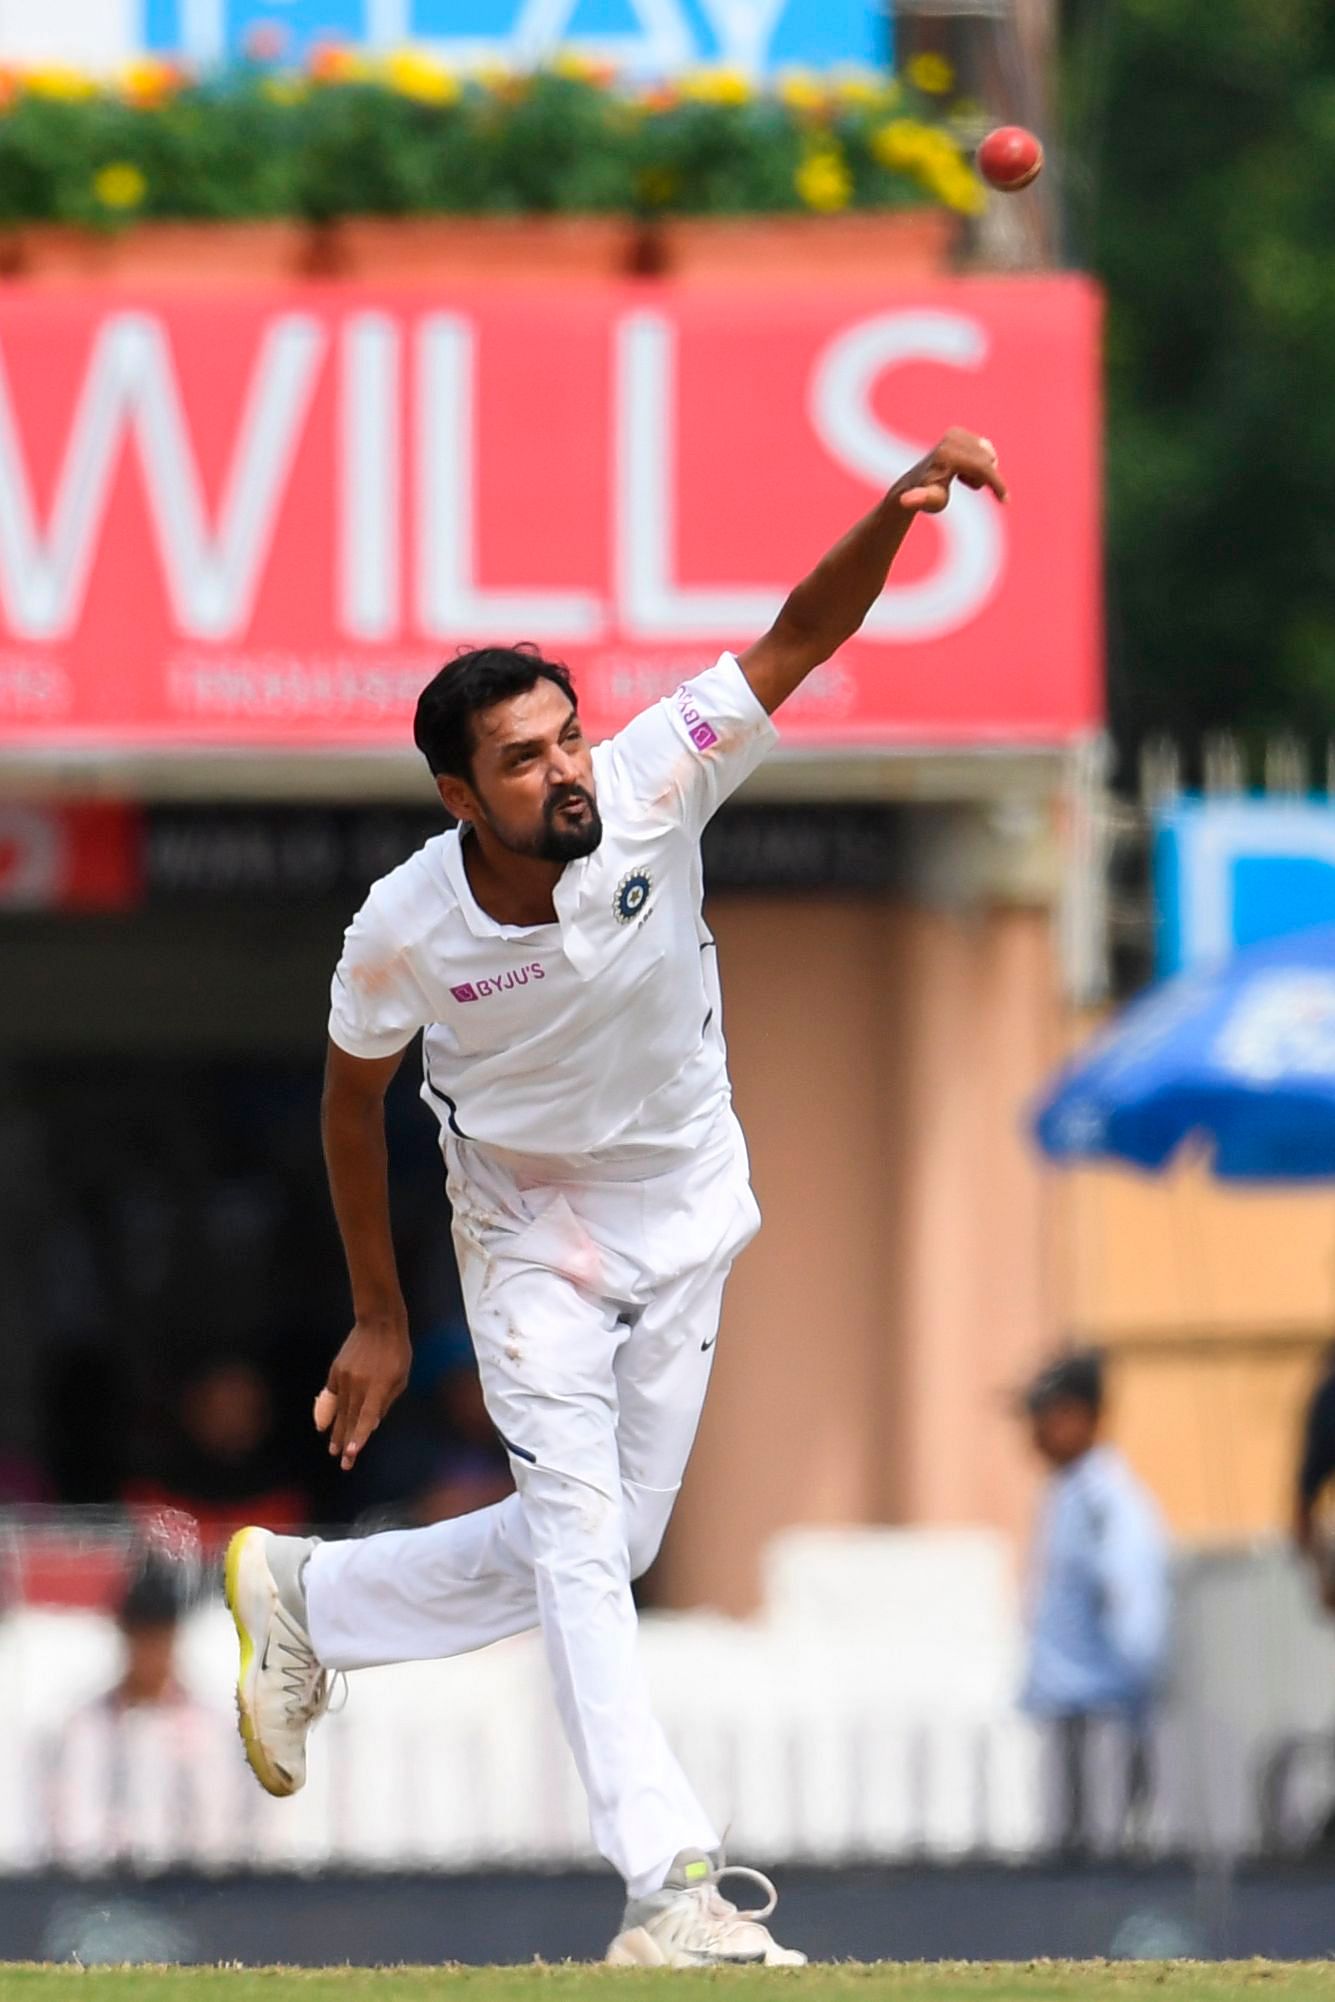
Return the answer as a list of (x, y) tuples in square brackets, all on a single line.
[(1232, 872), (645, 37)]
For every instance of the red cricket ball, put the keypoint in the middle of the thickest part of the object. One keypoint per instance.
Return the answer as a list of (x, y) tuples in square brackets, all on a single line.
[(1010, 158)]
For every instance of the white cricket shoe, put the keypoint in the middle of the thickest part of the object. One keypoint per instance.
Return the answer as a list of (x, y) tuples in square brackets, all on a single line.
[(281, 1688), (690, 1924)]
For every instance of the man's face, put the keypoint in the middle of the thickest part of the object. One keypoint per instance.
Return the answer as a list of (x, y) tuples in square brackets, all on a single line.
[(532, 783), (149, 1661), (1063, 1429)]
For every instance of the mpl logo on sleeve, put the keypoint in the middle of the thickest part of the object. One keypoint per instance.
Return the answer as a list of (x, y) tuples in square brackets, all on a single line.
[(702, 734), (500, 983)]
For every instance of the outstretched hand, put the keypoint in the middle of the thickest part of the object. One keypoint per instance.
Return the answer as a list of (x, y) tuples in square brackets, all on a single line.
[(925, 488)]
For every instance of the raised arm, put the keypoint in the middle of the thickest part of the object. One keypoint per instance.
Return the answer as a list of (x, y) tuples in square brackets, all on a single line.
[(827, 607)]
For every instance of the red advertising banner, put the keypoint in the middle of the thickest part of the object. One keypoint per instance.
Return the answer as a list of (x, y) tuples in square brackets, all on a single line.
[(71, 858), (265, 519)]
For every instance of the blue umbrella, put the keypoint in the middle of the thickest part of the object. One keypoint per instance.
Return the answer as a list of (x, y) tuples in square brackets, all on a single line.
[(1238, 1062)]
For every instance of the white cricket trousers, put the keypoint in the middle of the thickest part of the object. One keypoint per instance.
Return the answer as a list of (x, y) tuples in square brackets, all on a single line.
[(593, 1308)]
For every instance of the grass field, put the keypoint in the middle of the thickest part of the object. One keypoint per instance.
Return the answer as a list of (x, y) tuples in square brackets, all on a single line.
[(1038, 1981)]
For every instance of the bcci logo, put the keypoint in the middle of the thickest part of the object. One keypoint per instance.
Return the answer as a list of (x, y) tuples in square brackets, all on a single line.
[(631, 897)]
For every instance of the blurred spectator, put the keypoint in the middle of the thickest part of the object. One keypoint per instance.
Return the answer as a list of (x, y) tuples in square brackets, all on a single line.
[(1314, 1521), (144, 1773), (1099, 1615), (223, 1460)]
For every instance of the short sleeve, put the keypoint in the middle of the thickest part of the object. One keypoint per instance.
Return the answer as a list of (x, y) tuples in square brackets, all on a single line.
[(696, 746), (376, 1006)]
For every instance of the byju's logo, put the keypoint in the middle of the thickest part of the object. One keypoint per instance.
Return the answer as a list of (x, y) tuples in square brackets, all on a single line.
[(703, 735), (500, 983), (632, 894)]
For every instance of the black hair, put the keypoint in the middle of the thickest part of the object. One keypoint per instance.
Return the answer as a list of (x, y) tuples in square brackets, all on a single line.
[(477, 678), (1075, 1378), (153, 1598)]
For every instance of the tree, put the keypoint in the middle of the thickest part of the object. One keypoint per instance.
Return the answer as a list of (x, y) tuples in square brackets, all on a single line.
[(1201, 135)]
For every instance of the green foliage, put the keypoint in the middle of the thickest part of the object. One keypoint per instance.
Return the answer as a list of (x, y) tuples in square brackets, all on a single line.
[(1202, 136), (407, 138)]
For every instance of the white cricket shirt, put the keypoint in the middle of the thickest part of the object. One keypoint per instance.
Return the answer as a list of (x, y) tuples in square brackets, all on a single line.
[(598, 1036)]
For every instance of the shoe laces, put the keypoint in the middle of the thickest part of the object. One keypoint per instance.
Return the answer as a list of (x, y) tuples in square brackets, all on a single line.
[(308, 1689), (721, 1910)]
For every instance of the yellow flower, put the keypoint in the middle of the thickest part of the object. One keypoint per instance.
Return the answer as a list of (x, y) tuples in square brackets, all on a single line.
[(801, 91), (68, 86), (823, 180), (861, 89), (902, 143), (149, 82), (959, 189), (414, 75), (121, 185), (578, 68), (331, 62), (931, 73), (284, 89), (716, 86)]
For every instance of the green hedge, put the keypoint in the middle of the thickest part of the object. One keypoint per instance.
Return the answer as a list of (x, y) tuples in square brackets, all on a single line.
[(405, 137)]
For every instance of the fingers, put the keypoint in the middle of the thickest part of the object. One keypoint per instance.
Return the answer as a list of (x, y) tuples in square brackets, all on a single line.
[(352, 1399), (975, 462), (349, 1408), (991, 478), (364, 1379), (930, 499), (926, 500), (960, 456), (372, 1411)]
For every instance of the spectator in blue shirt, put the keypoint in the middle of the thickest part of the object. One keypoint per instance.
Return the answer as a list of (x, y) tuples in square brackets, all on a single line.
[(1099, 1612)]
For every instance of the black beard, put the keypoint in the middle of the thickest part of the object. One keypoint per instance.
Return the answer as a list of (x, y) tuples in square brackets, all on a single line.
[(567, 845), (556, 844)]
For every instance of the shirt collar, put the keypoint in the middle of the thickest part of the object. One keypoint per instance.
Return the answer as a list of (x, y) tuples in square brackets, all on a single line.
[(479, 923), (1091, 1460)]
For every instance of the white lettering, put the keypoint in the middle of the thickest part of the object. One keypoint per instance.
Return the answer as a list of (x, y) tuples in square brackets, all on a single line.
[(450, 604), (369, 478), (652, 603), (664, 43), (388, 24), (840, 407), (204, 31), (131, 384), (530, 31), (744, 30)]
